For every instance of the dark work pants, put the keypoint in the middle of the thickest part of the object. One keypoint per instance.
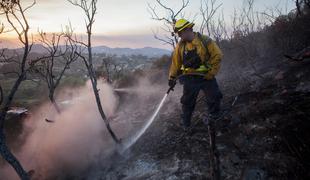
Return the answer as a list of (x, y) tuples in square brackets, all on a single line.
[(191, 87)]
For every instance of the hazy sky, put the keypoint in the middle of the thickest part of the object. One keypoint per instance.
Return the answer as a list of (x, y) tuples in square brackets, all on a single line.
[(120, 23)]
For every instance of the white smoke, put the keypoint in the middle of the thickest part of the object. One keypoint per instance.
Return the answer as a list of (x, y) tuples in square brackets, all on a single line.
[(78, 137)]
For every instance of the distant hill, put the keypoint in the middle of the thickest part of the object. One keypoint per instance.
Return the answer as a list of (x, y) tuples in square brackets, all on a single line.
[(146, 51)]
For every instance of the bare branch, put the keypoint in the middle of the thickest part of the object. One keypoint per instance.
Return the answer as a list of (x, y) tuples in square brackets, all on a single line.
[(30, 6), (1, 28), (184, 5), (168, 20), (90, 9), (10, 9), (68, 32), (45, 65), (298, 7), (155, 16), (208, 8), (166, 40), (1, 95)]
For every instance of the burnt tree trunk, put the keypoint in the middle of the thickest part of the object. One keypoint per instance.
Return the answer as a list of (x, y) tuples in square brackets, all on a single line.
[(213, 153), (298, 7), (102, 114), (53, 101), (90, 11), (93, 79), (11, 159), (4, 150), (1, 95)]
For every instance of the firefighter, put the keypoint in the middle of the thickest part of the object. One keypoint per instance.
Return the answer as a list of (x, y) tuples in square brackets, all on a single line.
[(197, 57)]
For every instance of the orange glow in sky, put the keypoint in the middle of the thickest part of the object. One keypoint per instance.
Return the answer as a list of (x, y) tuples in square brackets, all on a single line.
[(119, 23)]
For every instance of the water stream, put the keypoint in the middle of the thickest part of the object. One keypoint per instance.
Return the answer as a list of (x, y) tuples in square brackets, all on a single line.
[(131, 141)]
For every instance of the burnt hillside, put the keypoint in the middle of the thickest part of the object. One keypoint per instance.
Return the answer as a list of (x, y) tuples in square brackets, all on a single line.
[(264, 137)]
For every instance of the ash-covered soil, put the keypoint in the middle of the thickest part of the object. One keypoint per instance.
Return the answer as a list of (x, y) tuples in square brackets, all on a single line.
[(265, 136)]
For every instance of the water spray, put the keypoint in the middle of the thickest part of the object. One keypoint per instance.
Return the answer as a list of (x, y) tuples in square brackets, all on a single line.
[(127, 144), (131, 141)]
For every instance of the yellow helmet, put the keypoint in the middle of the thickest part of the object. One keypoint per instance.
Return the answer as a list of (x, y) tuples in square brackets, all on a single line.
[(182, 24)]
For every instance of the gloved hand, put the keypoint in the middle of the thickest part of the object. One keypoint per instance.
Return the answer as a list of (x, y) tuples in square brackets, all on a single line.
[(172, 83)]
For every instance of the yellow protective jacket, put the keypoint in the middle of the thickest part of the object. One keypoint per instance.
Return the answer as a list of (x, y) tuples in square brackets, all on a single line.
[(213, 57)]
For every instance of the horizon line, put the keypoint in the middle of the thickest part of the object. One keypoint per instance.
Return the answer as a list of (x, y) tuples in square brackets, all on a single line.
[(133, 41)]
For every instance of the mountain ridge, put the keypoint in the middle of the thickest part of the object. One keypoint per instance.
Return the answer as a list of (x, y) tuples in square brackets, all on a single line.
[(118, 51)]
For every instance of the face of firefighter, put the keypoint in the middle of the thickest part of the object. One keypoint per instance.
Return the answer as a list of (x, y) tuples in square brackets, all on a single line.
[(187, 35)]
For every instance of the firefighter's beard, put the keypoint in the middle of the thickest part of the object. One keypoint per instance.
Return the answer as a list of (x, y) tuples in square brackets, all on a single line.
[(187, 36)]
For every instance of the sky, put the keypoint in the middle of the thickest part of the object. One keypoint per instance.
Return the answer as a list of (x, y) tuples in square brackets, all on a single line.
[(120, 23)]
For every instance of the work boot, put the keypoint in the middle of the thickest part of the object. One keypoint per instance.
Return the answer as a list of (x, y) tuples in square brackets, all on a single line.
[(186, 128), (212, 117)]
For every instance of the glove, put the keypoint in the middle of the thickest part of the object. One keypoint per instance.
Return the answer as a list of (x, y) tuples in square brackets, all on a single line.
[(172, 83)]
